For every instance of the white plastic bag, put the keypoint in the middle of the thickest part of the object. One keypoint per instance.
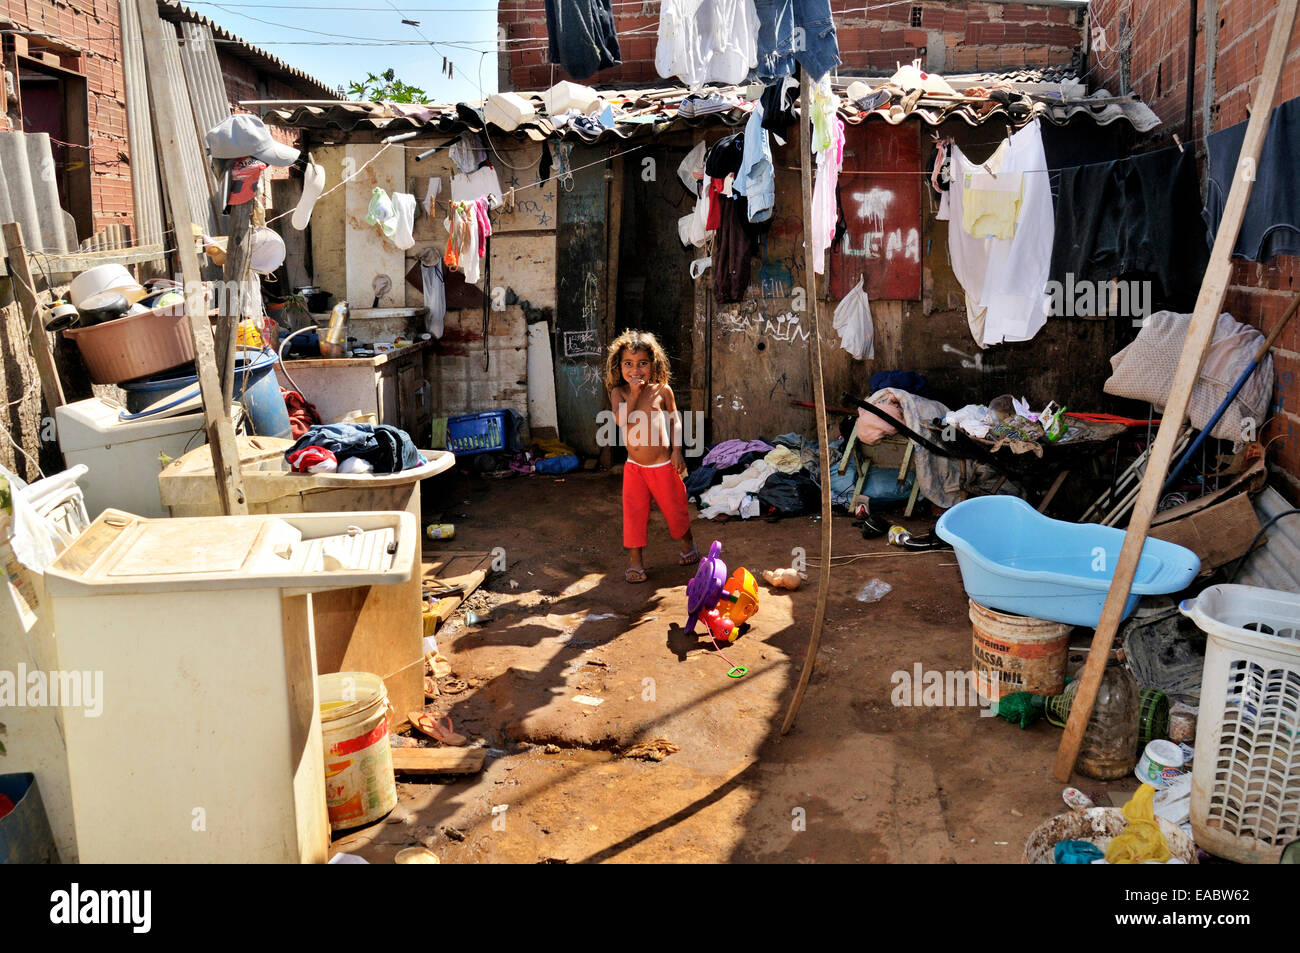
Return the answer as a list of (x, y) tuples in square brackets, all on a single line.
[(854, 324)]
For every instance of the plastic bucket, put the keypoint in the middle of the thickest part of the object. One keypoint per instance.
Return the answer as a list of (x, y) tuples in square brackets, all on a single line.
[(256, 388), (1014, 653), (359, 783)]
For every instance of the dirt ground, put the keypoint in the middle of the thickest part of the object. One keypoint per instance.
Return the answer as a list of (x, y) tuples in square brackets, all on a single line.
[(857, 779)]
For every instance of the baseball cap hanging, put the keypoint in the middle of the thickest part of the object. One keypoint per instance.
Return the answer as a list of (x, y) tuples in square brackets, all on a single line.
[(245, 135)]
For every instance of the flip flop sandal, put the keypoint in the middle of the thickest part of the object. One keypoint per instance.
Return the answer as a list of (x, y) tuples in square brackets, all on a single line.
[(634, 576), (690, 558), (442, 731)]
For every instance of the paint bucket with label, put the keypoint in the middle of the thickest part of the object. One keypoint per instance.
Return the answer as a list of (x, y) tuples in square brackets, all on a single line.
[(359, 782), (1160, 765), (1015, 653)]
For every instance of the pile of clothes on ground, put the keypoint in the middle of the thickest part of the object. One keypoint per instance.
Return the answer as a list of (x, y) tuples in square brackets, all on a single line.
[(748, 478)]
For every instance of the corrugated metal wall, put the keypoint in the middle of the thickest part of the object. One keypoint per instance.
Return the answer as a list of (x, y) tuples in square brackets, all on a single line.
[(145, 187), (29, 192)]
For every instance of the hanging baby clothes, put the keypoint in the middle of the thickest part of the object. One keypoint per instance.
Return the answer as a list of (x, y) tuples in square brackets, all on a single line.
[(1005, 279), (404, 220), (484, 224), (581, 36), (460, 226), (703, 41)]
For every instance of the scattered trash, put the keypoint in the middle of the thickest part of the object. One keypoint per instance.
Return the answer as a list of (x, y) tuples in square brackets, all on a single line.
[(477, 618), (1160, 765), (655, 750), (588, 700), (453, 834), (416, 855), (440, 531), (1182, 723), (1076, 799), (454, 687), (348, 859), (874, 591), (783, 578), (551, 749), (513, 584)]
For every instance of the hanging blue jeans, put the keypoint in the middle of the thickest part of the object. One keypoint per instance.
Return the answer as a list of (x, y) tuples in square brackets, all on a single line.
[(796, 29)]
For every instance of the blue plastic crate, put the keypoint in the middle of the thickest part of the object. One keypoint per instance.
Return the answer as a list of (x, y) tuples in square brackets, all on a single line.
[(491, 430)]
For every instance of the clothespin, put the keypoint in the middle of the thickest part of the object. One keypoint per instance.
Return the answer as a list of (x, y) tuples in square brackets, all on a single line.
[(1179, 143), (510, 200)]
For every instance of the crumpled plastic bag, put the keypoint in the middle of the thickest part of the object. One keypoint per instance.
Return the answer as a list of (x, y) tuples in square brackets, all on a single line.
[(1141, 840), (854, 324), (382, 212)]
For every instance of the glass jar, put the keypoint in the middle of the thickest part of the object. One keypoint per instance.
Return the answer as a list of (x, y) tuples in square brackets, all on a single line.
[(1109, 748)]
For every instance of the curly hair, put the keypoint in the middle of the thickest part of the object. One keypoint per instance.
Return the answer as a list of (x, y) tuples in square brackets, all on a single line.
[(635, 341)]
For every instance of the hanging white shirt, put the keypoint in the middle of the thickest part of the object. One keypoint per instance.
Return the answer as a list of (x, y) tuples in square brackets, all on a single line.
[(1005, 280)]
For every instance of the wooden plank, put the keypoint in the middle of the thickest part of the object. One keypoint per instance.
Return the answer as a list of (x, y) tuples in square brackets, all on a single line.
[(221, 433), (1209, 303), (467, 570), (438, 760), (77, 262), (25, 292)]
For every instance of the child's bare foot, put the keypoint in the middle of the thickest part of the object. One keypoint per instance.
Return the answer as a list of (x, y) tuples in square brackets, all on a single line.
[(634, 574)]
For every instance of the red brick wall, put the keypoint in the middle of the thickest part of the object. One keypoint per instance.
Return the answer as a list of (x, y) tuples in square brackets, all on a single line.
[(1257, 294), (954, 37), (92, 25)]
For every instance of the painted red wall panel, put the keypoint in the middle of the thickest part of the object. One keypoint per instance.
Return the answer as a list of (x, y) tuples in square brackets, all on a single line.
[(880, 191)]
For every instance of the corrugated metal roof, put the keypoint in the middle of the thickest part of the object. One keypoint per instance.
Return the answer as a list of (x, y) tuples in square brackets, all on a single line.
[(1276, 564), (646, 112), (268, 62)]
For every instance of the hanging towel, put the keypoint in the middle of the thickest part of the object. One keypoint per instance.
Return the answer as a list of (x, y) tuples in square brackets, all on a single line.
[(433, 277)]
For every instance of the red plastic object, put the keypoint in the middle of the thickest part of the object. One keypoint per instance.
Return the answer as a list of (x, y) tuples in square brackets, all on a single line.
[(6, 805)]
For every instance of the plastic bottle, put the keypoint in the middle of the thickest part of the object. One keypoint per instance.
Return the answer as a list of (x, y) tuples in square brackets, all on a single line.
[(1109, 747), (440, 530)]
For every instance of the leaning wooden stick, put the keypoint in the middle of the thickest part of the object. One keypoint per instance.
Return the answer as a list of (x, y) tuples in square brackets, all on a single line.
[(1208, 304), (815, 355)]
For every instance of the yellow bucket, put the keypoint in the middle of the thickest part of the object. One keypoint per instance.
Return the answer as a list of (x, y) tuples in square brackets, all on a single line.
[(359, 782)]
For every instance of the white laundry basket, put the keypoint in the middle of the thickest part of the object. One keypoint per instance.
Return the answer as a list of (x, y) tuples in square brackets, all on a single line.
[(1246, 775)]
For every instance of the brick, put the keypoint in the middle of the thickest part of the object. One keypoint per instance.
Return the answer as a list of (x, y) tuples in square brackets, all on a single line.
[(916, 37)]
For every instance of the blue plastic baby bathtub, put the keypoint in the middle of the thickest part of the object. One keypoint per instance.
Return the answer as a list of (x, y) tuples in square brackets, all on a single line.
[(1015, 559)]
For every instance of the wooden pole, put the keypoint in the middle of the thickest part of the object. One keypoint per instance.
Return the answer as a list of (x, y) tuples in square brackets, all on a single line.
[(221, 432), (1208, 305), (819, 396), (25, 291), (239, 254)]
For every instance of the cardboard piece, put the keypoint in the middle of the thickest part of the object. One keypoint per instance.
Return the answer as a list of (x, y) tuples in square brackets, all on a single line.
[(1218, 533)]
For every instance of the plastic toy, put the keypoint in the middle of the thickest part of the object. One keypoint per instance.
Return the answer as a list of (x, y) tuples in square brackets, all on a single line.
[(710, 589)]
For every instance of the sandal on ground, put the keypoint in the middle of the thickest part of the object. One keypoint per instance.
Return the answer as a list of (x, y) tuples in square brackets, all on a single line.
[(431, 687), (427, 724), (634, 575), (689, 558)]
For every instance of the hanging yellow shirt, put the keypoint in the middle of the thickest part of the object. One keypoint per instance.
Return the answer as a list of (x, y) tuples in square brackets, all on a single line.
[(990, 204)]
